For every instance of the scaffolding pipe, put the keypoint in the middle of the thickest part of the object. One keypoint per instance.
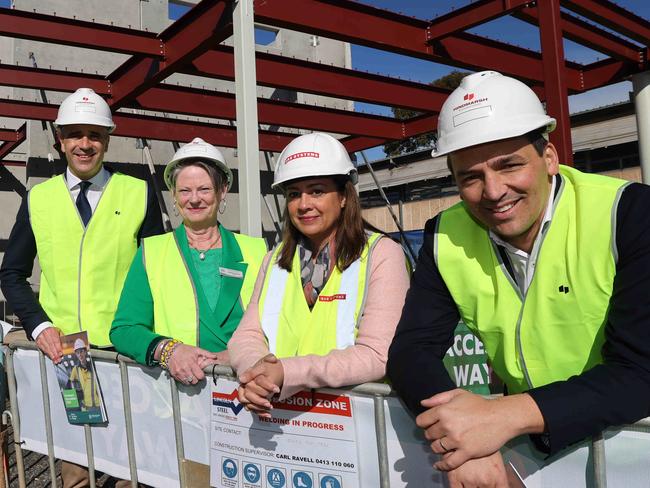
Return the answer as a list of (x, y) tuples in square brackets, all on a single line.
[(167, 224), (389, 207), (641, 95)]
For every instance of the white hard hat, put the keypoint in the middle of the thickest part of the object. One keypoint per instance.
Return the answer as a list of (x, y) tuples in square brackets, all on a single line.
[(200, 150), (79, 344), (314, 154), (85, 107), (486, 107)]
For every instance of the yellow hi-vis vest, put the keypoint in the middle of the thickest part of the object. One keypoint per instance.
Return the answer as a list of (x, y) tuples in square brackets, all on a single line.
[(83, 269), (557, 329), (176, 306), (292, 329)]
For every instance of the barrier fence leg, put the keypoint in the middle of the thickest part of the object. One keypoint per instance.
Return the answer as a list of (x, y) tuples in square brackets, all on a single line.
[(45, 391), (382, 443), (15, 419), (128, 421), (598, 454), (178, 432), (90, 454)]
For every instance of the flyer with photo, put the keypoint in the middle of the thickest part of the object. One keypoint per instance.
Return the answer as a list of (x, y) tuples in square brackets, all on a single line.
[(80, 389), (310, 442)]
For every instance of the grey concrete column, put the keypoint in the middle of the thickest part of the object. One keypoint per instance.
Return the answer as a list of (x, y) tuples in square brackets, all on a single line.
[(250, 214), (641, 86)]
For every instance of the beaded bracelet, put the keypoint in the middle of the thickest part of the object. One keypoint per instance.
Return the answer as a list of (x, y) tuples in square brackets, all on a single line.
[(167, 351)]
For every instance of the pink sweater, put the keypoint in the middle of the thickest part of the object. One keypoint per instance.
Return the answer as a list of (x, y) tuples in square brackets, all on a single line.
[(365, 360)]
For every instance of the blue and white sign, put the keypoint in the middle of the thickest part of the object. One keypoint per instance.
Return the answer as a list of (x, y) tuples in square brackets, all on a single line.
[(252, 472), (329, 481), (229, 468), (276, 478), (302, 479)]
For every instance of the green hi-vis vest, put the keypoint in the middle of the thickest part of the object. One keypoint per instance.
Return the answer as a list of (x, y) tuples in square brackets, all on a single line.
[(176, 305), (557, 329), (83, 269), (292, 329)]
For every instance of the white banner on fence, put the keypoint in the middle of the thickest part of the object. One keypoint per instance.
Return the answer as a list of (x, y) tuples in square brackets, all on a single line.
[(310, 440), (409, 456)]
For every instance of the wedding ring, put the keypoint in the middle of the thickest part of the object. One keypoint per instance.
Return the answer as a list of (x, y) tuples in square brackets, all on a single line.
[(189, 379), (442, 445)]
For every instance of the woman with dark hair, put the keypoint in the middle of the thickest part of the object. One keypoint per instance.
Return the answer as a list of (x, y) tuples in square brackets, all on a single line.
[(187, 290), (328, 298)]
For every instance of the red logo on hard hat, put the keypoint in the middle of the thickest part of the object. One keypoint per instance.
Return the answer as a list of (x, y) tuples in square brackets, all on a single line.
[(305, 154), (468, 96)]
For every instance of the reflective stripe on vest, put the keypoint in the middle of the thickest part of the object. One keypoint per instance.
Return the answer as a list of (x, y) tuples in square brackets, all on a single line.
[(83, 269), (292, 329), (176, 307), (557, 329)]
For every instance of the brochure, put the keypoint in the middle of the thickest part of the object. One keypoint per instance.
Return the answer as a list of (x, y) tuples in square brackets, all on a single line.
[(80, 389)]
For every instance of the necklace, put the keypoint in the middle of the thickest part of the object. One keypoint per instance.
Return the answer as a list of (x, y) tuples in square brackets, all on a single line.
[(212, 245)]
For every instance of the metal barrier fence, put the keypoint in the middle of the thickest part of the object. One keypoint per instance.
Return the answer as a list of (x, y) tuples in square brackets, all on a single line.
[(378, 391)]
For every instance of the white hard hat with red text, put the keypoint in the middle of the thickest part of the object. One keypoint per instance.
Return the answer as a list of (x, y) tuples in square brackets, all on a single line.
[(486, 107), (85, 107), (313, 155)]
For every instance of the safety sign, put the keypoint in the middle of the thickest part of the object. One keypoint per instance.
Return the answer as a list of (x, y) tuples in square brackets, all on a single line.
[(309, 442)]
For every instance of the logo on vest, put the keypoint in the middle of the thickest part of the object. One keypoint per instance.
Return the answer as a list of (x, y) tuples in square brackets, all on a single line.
[(331, 298), (563, 289)]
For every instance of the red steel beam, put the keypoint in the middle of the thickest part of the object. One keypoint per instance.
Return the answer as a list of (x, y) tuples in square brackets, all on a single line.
[(190, 101), (420, 125), (222, 106), (589, 35), (607, 72), (204, 26), (320, 79), (9, 135), (470, 16), (49, 79), (354, 144), (360, 24), (159, 128), (613, 17), (20, 135), (73, 32), (555, 87)]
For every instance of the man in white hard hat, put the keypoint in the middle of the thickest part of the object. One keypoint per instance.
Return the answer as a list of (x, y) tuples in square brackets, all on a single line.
[(549, 266), (85, 226), (82, 375)]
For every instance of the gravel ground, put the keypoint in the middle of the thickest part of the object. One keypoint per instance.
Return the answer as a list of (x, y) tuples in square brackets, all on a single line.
[(37, 470)]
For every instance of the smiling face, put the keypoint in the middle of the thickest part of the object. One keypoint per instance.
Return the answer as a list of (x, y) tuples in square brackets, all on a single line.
[(84, 147), (314, 206), (505, 185), (196, 198), (81, 356)]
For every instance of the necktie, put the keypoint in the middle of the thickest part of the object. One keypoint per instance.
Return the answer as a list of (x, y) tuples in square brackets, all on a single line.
[(82, 202)]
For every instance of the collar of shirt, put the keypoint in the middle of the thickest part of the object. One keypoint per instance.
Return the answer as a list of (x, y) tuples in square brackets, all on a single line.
[(522, 263), (97, 182), (94, 192)]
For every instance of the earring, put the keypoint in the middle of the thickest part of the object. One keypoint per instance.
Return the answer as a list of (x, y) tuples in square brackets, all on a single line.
[(222, 206), (175, 209)]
